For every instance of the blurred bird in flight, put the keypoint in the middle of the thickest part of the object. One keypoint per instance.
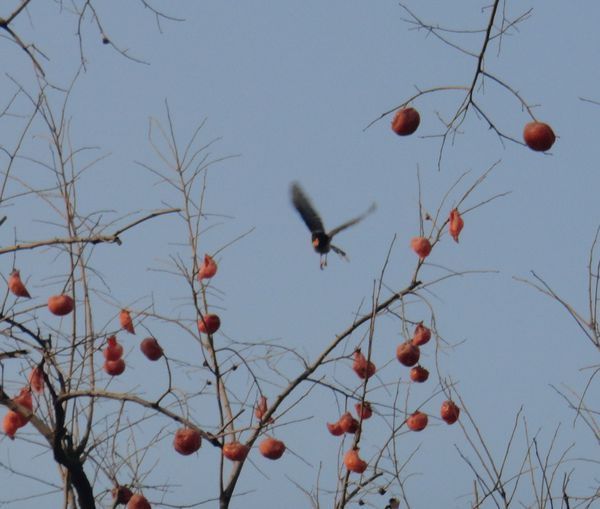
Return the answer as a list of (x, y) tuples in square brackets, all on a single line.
[(321, 240)]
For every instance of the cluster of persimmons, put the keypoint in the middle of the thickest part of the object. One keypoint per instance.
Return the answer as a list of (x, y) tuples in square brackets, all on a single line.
[(537, 136), (187, 440), (408, 354)]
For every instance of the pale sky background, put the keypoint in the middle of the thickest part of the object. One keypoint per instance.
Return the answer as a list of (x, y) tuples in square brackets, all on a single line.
[(288, 88)]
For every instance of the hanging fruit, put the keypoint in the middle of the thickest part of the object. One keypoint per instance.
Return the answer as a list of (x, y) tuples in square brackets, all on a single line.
[(209, 324), (261, 409), (126, 321), (114, 368), (151, 349), (421, 246), (271, 448), (208, 268), (235, 451), (363, 410), (348, 424), (455, 224), (363, 367), (419, 374), (16, 286), (25, 400), (408, 354), (538, 136), (335, 429), (187, 441), (138, 501), (13, 420), (353, 462), (417, 421), (113, 350), (36, 380), (11, 423), (421, 335), (60, 305), (406, 121), (449, 412)]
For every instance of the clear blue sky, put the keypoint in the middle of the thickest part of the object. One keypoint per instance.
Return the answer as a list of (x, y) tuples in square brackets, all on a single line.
[(289, 87)]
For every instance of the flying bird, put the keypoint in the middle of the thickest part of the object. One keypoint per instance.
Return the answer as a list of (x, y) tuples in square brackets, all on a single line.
[(321, 240)]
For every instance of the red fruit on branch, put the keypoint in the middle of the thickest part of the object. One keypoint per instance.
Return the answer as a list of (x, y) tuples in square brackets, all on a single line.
[(419, 374), (417, 421), (449, 412), (408, 354), (538, 136), (362, 367), (455, 224), (151, 349), (422, 335), (235, 451), (16, 286), (138, 501), (261, 409), (364, 410), (113, 350), (335, 429), (36, 379), (25, 400), (60, 305), (353, 462), (187, 441), (13, 420), (208, 268), (348, 424), (114, 368), (271, 448), (421, 246), (11, 423), (406, 121), (210, 324), (126, 321)]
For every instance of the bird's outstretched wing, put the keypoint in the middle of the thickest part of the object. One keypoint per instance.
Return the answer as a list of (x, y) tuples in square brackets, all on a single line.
[(306, 210), (352, 222)]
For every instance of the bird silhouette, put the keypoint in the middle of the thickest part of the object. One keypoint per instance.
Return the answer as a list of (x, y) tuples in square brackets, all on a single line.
[(321, 240)]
